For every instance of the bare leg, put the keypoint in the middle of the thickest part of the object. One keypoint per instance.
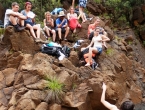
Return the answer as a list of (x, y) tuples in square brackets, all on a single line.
[(21, 22), (67, 31), (37, 28), (82, 15), (47, 31), (94, 50), (31, 30), (54, 35), (59, 33), (13, 20)]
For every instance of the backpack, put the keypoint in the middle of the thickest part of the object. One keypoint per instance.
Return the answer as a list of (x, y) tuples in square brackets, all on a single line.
[(51, 50), (57, 10), (66, 51)]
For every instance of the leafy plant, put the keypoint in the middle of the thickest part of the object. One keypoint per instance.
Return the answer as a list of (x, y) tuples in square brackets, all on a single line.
[(2, 30), (109, 51), (55, 90)]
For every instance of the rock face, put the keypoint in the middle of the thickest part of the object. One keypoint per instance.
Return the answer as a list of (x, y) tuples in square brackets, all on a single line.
[(21, 41), (25, 72)]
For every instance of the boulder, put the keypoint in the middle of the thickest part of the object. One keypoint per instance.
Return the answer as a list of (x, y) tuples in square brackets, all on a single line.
[(42, 106), (74, 58), (21, 41), (95, 8), (55, 107), (9, 74)]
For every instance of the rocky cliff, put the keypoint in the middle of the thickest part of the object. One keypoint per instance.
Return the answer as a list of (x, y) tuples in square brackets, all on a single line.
[(26, 74), (24, 71)]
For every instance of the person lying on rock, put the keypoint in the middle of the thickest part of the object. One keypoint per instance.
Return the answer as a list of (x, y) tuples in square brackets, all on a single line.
[(62, 26), (29, 22), (126, 105), (14, 18), (73, 20), (49, 26), (93, 26), (82, 5), (97, 43)]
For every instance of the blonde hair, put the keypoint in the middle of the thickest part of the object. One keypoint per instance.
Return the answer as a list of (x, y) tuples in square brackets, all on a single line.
[(46, 13), (71, 8)]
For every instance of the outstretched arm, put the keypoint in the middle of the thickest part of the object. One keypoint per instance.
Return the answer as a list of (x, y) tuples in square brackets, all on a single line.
[(73, 3), (105, 103)]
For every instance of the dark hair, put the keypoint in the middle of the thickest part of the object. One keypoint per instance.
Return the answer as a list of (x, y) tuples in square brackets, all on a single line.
[(127, 105), (28, 3), (14, 3)]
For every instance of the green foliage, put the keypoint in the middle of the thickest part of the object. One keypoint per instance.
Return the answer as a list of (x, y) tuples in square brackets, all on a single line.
[(2, 30), (144, 43), (122, 10), (109, 51), (55, 90), (98, 1), (39, 6)]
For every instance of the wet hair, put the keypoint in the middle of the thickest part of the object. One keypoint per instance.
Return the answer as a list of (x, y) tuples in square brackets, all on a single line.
[(27, 3), (127, 105), (14, 3)]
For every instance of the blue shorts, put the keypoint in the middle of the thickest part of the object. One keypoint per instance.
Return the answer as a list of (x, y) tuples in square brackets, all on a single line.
[(99, 50), (28, 22), (83, 3)]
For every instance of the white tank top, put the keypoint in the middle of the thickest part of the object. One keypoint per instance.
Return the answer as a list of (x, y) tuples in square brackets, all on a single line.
[(97, 41)]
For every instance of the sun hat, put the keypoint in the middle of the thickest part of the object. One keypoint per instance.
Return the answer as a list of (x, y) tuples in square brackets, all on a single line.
[(61, 13)]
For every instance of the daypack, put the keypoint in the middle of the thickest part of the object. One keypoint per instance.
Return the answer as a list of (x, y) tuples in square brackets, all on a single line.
[(66, 51), (55, 51), (51, 50), (57, 10)]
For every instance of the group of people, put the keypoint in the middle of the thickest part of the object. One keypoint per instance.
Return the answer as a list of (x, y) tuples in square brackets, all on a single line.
[(26, 19), (96, 34)]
